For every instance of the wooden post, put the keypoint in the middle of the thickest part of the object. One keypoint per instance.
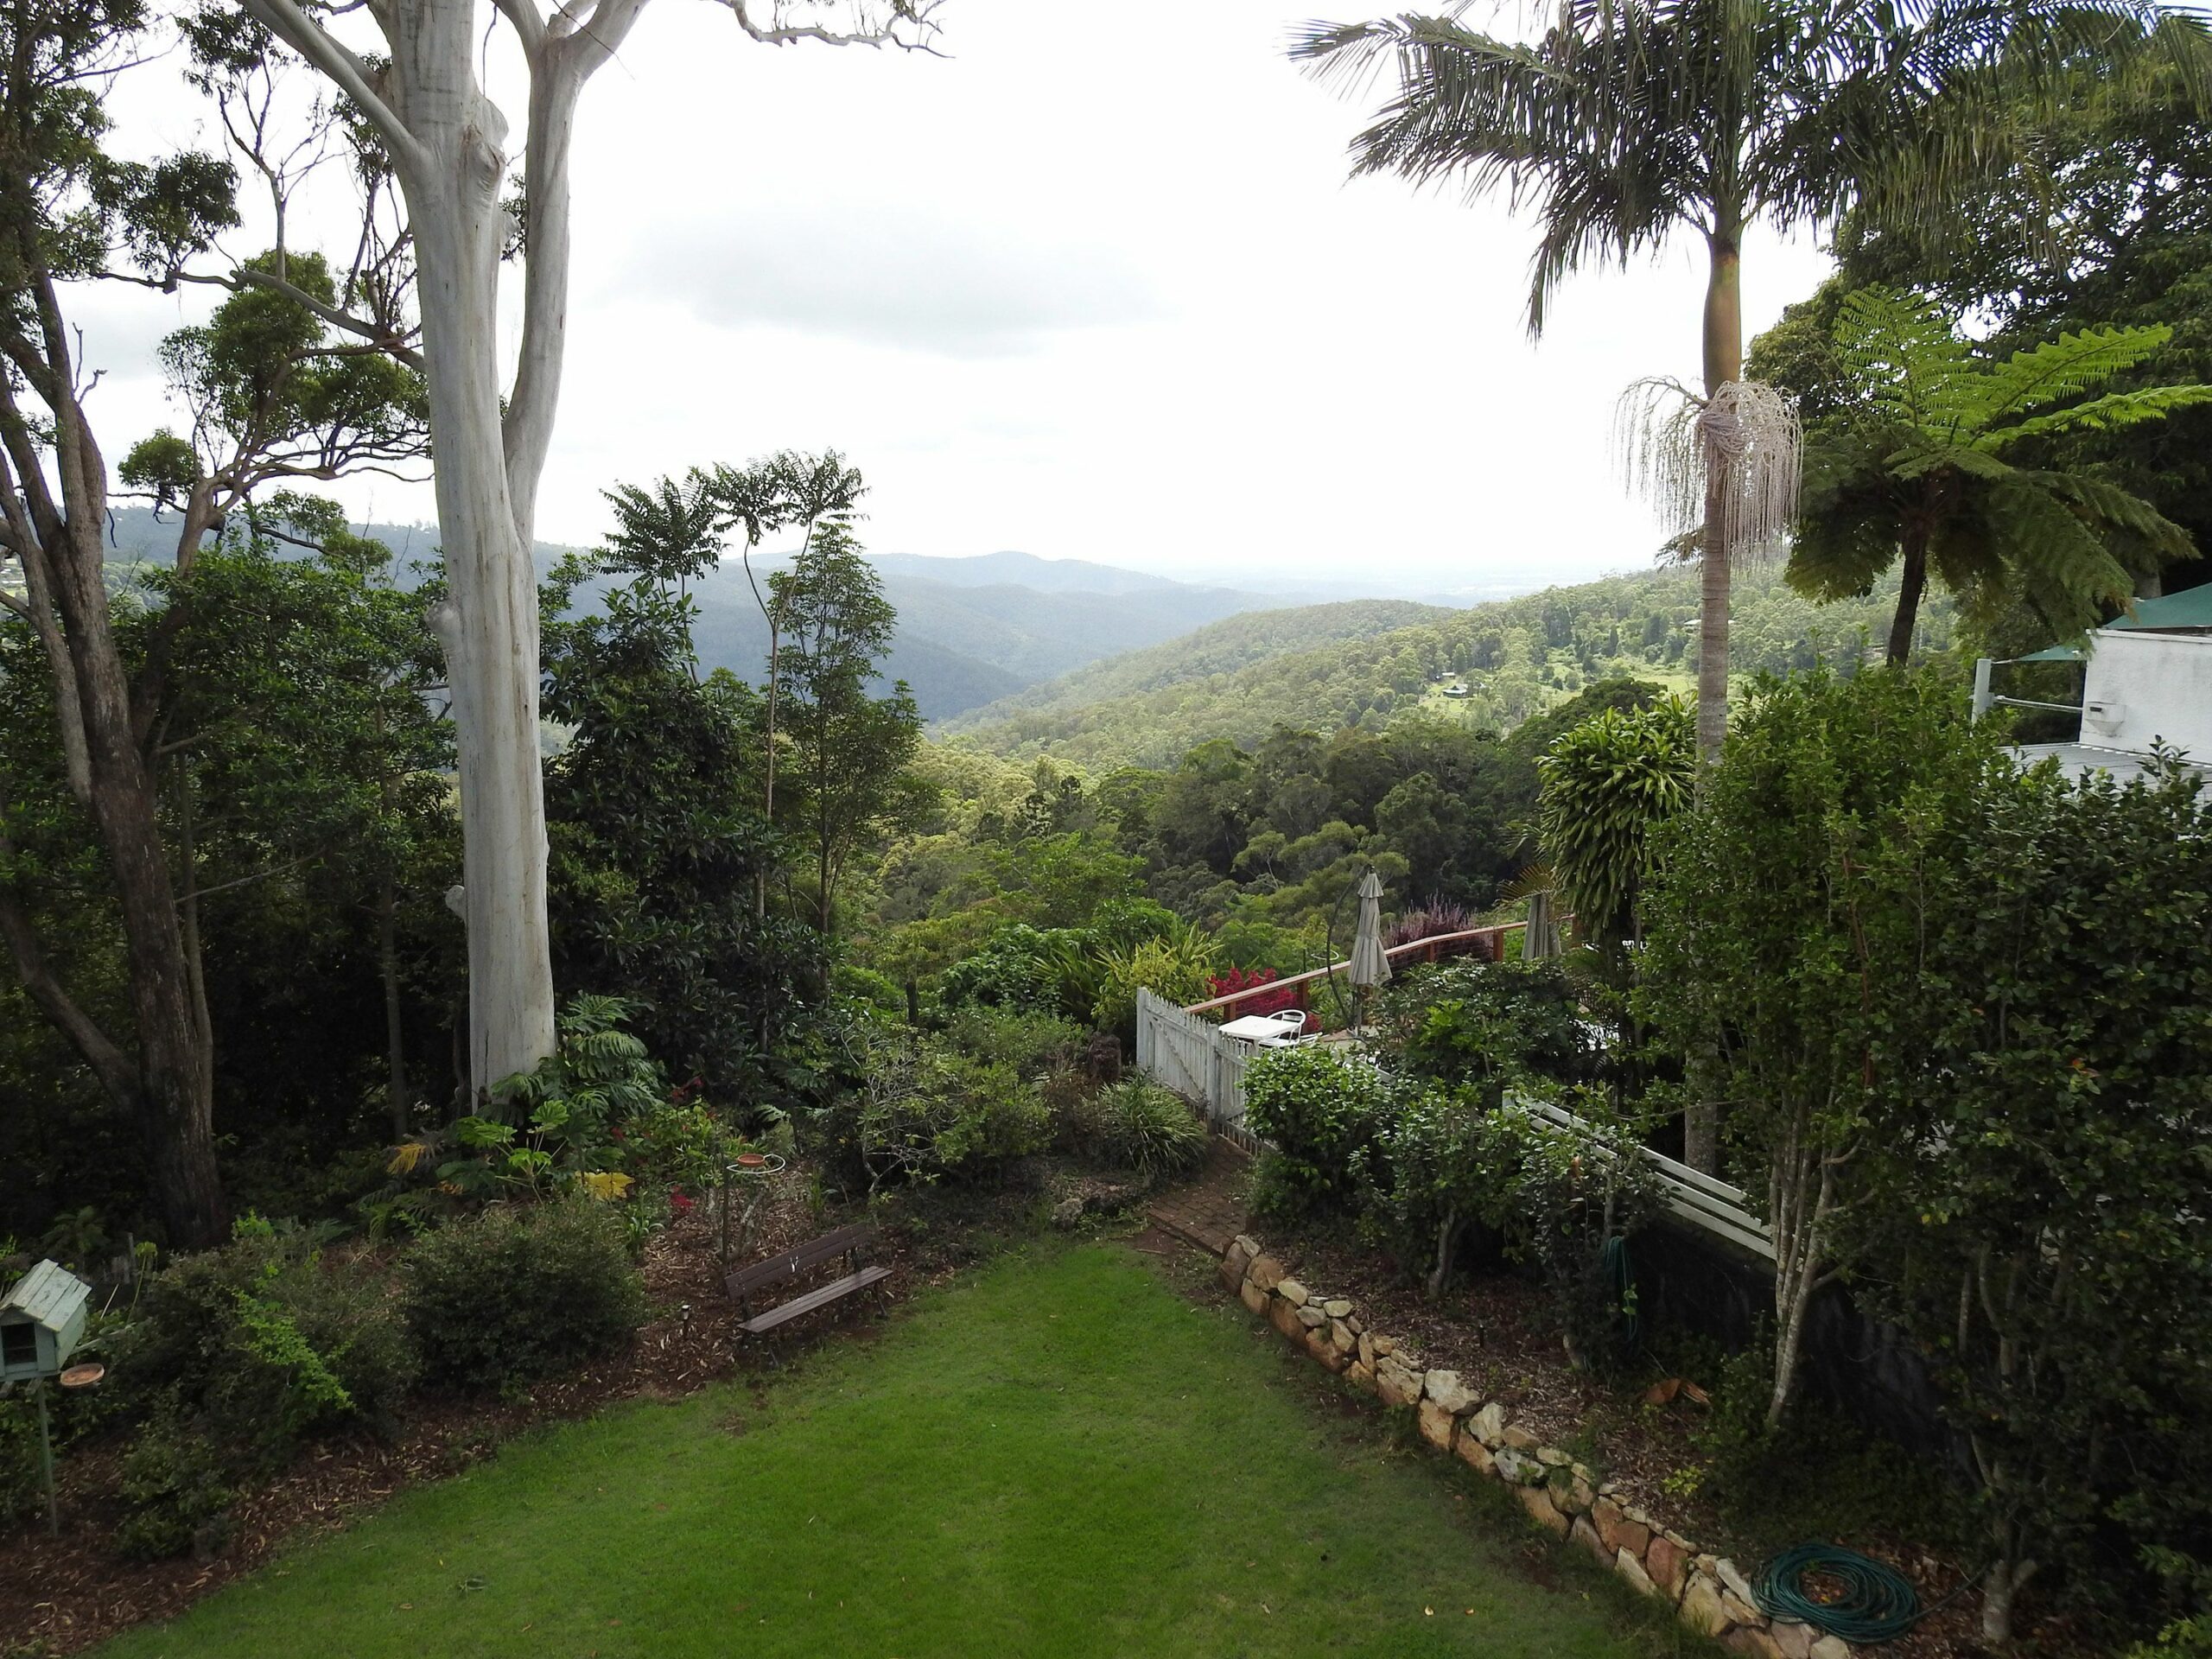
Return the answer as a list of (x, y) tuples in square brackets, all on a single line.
[(46, 1461)]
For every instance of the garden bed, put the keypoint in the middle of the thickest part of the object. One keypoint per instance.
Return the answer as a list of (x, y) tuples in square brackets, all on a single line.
[(1498, 1331)]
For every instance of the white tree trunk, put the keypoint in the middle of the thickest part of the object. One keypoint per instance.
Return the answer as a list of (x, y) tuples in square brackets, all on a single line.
[(488, 624)]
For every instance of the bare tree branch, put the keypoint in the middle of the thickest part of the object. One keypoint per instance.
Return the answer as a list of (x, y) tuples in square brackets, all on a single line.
[(292, 25), (906, 15)]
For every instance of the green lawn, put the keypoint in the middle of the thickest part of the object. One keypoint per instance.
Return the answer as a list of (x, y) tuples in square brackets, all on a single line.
[(1057, 1456)]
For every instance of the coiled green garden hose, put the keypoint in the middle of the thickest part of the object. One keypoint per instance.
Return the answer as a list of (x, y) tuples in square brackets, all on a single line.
[(1875, 1603)]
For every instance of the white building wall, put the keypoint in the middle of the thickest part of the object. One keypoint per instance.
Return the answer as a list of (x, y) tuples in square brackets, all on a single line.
[(2140, 685)]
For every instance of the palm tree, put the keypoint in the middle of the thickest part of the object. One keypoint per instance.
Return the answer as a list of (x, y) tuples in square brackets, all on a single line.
[(1629, 121), (1912, 465)]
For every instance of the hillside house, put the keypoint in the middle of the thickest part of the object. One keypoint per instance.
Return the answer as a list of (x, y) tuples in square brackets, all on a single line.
[(2146, 678)]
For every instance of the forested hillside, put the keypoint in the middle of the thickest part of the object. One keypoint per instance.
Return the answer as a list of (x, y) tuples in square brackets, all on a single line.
[(1221, 649), (1511, 659), (971, 631)]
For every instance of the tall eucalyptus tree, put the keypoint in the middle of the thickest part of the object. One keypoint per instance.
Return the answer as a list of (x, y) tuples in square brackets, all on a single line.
[(410, 72)]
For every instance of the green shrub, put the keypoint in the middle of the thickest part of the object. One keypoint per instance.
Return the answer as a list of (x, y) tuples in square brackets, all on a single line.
[(269, 1341), (21, 1492), (513, 1294), (1179, 968), (2189, 1638), (1485, 1022), (1027, 1040), (173, 1490), (1141, 1126), (930, 1112), (1320, 1109)]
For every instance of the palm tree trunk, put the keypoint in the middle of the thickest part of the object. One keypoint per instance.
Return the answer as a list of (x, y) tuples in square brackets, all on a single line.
[(1913, 584), (1724, 361)]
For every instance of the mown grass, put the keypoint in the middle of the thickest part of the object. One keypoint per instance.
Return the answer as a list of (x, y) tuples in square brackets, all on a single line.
[(1057, 1455)]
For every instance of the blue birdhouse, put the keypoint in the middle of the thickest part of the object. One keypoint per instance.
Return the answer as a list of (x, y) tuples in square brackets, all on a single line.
[(41, 1319)]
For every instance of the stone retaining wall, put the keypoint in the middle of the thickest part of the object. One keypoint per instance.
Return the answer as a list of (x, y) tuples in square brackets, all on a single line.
[(1708, 1593)]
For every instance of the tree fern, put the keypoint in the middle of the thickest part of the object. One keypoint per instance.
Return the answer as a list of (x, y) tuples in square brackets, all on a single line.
[(1908, 467)]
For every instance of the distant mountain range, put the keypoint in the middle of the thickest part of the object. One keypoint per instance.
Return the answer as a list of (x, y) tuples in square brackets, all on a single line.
[(971, 631)]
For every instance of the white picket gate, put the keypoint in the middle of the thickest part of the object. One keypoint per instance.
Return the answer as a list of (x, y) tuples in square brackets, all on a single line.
[(1186, 1052)]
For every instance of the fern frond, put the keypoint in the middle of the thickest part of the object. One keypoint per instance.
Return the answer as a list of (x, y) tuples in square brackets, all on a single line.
[(2104, 414), (2070, 366)]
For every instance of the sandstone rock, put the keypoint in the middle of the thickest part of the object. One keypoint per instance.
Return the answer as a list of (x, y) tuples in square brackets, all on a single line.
[(1793, 1640), (1445, 1388), (1252, 1297), (1336, 1307), (1746, 1638), (1831, 1647), (1587, 1535), (1311, 1317), (1396, 1385), (1361, 1376), (1284, 1316), (1519, 1467), (1319, 1345), (1701, 1608), (1632, 1573), (1732, 1577), (1551, 1457), (1437, 1425), (1583, 1471), (1367, 1355), (1233, 1260), (1386, 1345), (1742, 1612), (1475, 1454), (1247, 1243), (1540, 1510), (1668, 1564), (1265, 1272), (1616, 1527), (1489, 1424), (1293, 1292), (1067, 1212), (1561, 1485), (1517, 1436), (1341, 1338), (1357, 1324)]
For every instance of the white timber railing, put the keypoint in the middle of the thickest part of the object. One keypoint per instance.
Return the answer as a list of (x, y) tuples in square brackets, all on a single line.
[(1184, 1050)]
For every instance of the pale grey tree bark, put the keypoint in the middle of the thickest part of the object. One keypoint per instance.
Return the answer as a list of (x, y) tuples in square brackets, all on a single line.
[(449, 146)]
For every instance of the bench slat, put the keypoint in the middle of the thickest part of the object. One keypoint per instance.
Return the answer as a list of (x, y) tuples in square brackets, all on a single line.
[(822, 1297), (804, 1258)]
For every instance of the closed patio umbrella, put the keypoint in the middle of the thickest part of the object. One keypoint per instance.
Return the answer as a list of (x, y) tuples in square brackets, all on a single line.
[(1540, 937), (1368, 967)]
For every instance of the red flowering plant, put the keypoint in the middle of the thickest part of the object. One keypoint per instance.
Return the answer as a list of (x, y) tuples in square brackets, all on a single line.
[(1250, 979)]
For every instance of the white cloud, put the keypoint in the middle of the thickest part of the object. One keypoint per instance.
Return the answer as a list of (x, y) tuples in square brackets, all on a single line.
[(1095, 286)]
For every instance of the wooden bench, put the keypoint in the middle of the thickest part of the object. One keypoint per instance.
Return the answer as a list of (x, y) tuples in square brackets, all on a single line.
[(848, 1242)]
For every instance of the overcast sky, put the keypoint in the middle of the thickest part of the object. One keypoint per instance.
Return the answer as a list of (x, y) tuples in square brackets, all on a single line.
[(1093, 286)]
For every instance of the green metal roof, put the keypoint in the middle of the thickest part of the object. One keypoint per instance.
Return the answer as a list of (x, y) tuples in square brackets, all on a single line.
[(2189, 609), (2053, 654)]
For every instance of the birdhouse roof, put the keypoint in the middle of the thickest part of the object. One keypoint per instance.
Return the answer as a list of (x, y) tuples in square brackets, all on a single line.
[(48, 1294)]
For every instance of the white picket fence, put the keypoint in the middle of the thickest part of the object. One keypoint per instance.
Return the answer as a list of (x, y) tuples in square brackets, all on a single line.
[(1186, 1052)]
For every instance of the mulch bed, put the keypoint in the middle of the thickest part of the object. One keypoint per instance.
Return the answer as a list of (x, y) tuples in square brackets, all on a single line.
[(1498, 1333)]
